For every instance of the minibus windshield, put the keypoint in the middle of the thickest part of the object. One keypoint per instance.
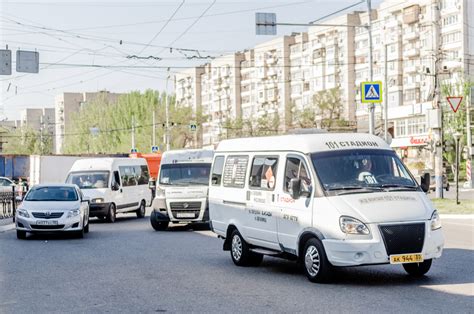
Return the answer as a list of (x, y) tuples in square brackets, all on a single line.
[(362, 170), (89, 179), (185, 174)]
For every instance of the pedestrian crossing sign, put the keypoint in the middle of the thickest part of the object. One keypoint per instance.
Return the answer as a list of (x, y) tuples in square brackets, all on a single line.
[(371, 92)]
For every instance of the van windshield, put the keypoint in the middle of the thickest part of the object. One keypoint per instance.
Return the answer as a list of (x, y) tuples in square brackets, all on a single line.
[(185, 174), (89, 179), (362, 170)]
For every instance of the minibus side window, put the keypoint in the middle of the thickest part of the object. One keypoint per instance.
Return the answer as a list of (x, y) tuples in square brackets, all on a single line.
[(217, 168), (235, 170), (295, 168), (263, 173), (116, 178), (128, 176)]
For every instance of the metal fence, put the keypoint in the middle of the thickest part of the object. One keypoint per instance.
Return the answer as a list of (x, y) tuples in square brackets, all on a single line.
[(8, 203)]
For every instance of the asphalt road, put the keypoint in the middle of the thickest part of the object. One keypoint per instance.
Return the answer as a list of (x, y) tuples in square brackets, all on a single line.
[(128, 267)]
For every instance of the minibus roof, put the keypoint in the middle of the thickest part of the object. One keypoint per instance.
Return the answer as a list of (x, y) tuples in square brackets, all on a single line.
[(187, 156), (304, 143)]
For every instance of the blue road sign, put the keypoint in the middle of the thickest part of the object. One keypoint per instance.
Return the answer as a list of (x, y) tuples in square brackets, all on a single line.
[(371, 92), (133, 150), (155, 149)]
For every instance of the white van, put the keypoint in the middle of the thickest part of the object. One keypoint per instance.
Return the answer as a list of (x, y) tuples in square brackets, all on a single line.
[(326, 200), (114, 185), (182, 189)]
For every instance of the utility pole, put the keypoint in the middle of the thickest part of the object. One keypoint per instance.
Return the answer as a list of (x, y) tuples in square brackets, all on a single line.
[(153, 136), (133, 132), (167, 131), (371, 70), (41, 135), (470, 149), (457, 137), (439, 110), (385, 127)]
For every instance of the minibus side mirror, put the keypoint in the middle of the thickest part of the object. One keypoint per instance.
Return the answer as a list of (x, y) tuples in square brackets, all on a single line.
[(115, 186), (295, 188), (86, 199), (19, 198), (152, 183), (425, 182)]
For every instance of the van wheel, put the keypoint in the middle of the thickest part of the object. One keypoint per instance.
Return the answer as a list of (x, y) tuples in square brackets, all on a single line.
[(86, 228), (418, 269), (316, 265), (157, 224), (240, 252), (20, 234), (141, 210), (111, 214)]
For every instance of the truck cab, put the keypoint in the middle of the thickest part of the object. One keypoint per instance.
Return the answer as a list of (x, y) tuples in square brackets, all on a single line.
[(182, 189)]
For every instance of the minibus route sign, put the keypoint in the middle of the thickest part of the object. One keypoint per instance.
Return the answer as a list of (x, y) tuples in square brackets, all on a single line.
[(350, 144)]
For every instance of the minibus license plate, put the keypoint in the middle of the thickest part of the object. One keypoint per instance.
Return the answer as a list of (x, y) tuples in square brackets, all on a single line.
[(185, 215), (406, 258), (47, 222)]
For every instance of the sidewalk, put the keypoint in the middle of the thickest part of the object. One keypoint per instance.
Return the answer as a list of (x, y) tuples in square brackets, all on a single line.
[(6, 224)]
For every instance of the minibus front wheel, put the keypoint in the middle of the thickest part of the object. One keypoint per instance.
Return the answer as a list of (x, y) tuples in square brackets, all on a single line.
[(315, 263), (418, 269), (240, 251)]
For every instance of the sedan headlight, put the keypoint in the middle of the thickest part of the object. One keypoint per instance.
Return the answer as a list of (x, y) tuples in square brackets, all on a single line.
[(73, 213), (23, 213), (351, 225), (435, 221), (97, 200)]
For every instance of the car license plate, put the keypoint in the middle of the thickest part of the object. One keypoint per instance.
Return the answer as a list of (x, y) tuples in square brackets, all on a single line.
[(185, 215), (406, 258), (47, 222)]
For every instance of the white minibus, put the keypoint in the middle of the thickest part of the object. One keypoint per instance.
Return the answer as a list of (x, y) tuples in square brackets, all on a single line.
[(181, 193), (325, 200), (114, 185)]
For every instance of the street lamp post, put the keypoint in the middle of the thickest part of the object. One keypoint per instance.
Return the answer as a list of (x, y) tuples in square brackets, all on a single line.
[(457, 137)]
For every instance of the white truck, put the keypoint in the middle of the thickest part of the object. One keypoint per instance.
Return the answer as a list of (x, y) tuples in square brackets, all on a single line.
[(182, 189), (50, 169)]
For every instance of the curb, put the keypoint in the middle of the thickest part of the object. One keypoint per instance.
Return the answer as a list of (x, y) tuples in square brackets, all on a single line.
[(457, 216), (8, 227)]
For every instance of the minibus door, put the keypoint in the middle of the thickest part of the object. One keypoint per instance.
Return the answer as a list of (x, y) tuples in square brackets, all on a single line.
[(295, 213), (261, 210), (117, 190)]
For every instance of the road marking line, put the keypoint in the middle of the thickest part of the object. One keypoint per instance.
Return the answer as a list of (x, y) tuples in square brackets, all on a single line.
[(453, 223), (207, 233), (466, 289)]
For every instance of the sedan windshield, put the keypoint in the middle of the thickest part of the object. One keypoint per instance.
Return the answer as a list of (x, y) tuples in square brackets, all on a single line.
[(52, 193), (89, 179), (185, 174), (360, 171)]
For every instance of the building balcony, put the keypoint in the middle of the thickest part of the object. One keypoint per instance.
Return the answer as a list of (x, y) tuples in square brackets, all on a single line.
[(411, 35), (411, 69), (412, 52), (412, 85)]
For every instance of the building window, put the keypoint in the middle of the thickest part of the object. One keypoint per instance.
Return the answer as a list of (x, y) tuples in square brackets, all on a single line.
[(401, 128), (452, 19)]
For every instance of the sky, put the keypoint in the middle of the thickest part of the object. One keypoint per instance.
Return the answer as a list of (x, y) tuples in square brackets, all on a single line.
[(84, 45)]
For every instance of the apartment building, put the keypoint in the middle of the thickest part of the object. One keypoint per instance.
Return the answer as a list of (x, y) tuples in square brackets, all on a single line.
[(37, 118), (69, 104), (415, 39)]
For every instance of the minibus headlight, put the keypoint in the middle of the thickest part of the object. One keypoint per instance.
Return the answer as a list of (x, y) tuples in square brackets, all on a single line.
[(351, 225), (23, 213), (160, 192), (97, 200), (73, 213), (435, 221)]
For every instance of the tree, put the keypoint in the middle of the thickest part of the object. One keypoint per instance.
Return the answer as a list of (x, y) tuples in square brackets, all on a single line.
[(325, 113), (455, 121), (103, 127), (26, 141)]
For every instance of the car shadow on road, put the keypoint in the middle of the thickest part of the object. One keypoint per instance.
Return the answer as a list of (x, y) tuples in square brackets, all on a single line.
[(448, 270)]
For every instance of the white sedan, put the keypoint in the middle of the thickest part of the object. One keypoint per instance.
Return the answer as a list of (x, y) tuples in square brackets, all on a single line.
[(53, 208)]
